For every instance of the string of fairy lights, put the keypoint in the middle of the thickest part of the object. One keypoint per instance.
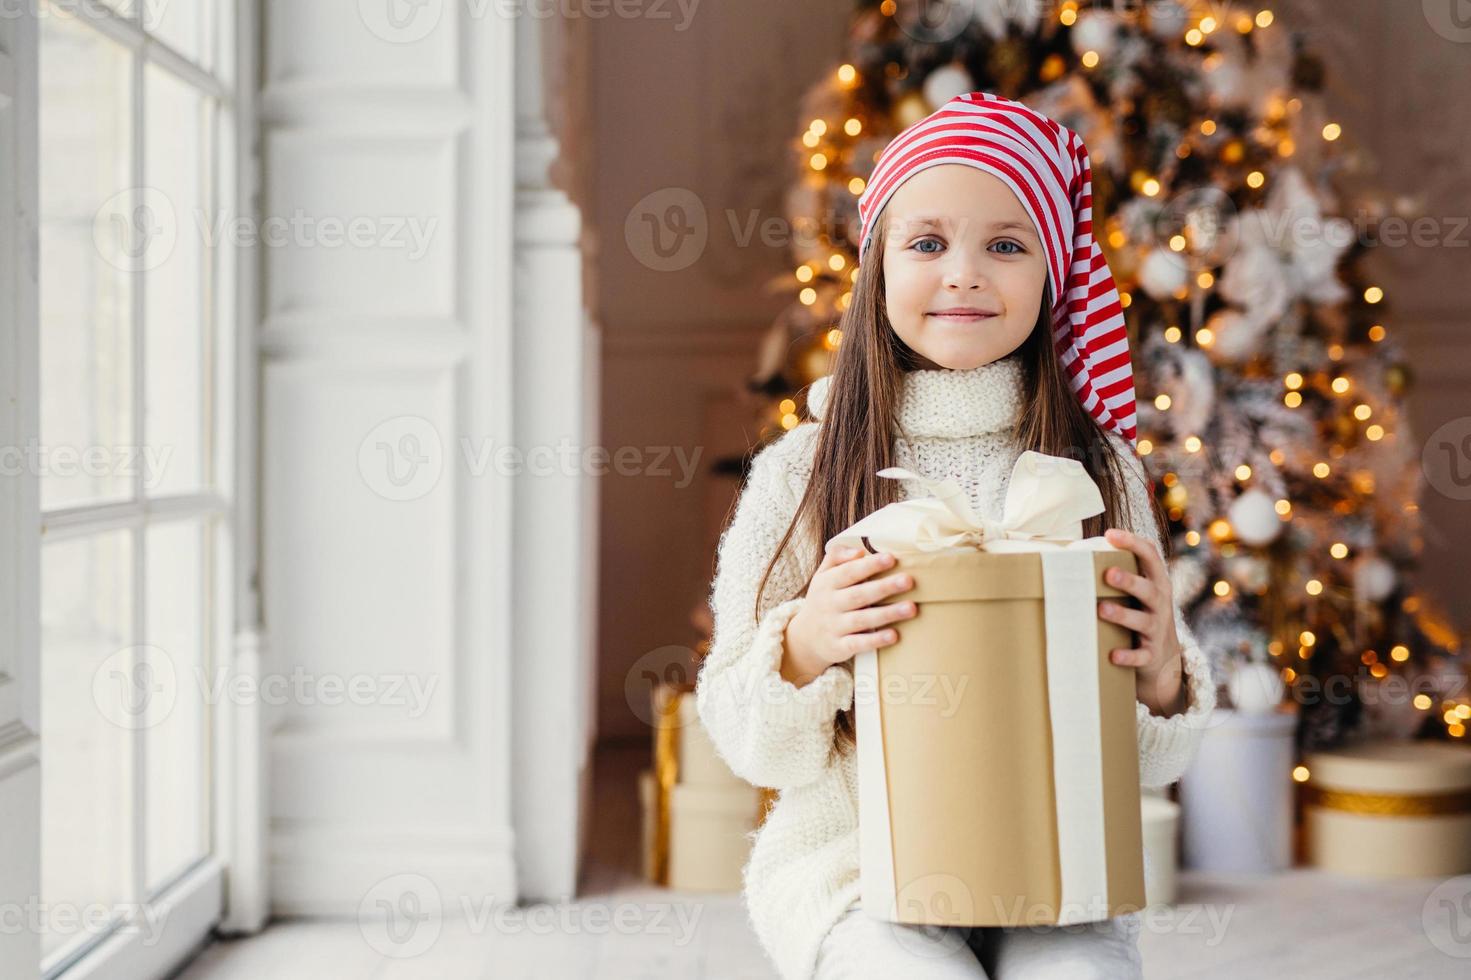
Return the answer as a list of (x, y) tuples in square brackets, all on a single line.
[(838, 151)]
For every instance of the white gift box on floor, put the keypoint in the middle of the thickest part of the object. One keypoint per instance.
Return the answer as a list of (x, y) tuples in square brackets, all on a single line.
[(1161, 824), (1237, 796), (708, 828), (708, 832)]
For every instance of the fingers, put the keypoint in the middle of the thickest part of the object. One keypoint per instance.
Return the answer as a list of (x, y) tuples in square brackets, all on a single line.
[(869, 592), (1134, 657), (1133, 619), (1150, 560), (836, 556), (851, 571), (1137, 586), (856, 643), (874, 617)]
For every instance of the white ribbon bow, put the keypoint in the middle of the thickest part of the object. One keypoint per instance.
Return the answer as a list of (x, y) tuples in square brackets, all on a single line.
[(1046, 502)]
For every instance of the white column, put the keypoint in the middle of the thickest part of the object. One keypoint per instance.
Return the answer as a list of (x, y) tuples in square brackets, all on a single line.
[(555, 527), (387, 383)]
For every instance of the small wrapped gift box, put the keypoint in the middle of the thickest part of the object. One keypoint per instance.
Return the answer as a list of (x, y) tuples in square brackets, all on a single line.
[(1161, 848), (701, 840), (998, 763), (1389, 809), (710, 835), (697, 814)]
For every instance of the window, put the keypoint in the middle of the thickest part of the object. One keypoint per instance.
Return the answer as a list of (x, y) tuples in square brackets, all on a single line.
[(135, 452)]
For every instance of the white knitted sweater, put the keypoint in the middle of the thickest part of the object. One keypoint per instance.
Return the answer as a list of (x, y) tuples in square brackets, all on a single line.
[(803, 870)]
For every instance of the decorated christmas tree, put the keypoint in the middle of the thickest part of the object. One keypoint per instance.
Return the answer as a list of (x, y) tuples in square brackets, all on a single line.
[(1237, 216)]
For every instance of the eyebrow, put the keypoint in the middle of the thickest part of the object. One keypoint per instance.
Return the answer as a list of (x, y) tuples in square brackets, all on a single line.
[(1008, 225)]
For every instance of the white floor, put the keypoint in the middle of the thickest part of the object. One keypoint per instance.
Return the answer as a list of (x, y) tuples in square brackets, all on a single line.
[(1303, 924)]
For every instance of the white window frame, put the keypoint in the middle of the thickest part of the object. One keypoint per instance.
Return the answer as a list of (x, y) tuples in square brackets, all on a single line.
[(195, 902)]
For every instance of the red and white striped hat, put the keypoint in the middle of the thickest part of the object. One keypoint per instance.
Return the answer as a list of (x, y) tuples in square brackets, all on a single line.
[(1046, 165)]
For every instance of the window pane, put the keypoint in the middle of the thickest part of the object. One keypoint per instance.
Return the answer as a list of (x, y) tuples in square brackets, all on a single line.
[(178, 23), (89, 696), (174, 170), (177, 737), (89, 226)]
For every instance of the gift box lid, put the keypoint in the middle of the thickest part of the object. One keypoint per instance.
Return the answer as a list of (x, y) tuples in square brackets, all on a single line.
[(1156, 811), (741, 799), (1392, 767), (971, 575), (1279, 722)]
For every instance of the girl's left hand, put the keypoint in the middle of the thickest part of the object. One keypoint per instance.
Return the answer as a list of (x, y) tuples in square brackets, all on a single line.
[(1158, 656)]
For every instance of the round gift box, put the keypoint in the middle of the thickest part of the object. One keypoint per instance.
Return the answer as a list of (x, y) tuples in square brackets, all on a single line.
[(1389, 809), (1236, 797), (1161, 820)]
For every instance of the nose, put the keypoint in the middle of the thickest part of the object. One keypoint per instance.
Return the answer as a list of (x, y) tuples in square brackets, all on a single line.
[(963, 273)]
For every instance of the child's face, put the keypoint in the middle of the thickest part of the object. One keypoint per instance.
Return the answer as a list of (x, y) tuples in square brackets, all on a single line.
[(958, 238)]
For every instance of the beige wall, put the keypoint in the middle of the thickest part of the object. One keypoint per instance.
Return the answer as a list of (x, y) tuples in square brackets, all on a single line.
[(711, 109)]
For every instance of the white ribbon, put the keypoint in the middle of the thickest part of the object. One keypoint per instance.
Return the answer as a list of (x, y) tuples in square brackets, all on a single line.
[(1048, 498), (1046, 502)]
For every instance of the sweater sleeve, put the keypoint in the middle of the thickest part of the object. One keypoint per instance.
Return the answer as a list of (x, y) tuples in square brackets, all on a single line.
[(769, 731), (1167, 745)]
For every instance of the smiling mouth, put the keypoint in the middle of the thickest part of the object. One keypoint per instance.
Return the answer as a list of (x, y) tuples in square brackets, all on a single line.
[(959, 316)]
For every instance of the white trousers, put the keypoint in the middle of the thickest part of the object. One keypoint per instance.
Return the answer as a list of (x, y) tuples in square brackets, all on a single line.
[(859, 947)]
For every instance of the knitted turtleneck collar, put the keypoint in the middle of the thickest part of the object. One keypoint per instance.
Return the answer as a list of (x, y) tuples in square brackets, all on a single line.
[(949, 403)]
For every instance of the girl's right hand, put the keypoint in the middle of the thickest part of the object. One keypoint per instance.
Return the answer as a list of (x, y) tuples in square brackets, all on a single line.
[(839, 618)]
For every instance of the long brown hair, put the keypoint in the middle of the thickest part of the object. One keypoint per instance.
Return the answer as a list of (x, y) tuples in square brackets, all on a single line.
[(855, 434)]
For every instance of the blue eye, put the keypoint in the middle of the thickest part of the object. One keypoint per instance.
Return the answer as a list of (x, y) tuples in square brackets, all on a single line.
[(1019, 250)]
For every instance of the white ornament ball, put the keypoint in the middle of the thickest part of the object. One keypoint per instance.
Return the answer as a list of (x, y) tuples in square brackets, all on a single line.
[(1374, 578), (1236, 336), (1255, 689), (1095, 31), (1254, 516), (1162, 273), (1227, 82), (1250, 572), (1168, 19), (945, 83), (1389, 708)]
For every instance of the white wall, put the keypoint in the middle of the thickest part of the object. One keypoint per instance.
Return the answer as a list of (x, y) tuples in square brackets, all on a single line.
[(394, 547), (708, 104)]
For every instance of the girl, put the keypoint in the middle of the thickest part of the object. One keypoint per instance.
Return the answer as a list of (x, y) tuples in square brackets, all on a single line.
[(984, 322)]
